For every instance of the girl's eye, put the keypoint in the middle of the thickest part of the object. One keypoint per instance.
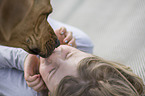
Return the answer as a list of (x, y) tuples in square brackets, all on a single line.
[(66, 55), (52, 70), (69, 55)]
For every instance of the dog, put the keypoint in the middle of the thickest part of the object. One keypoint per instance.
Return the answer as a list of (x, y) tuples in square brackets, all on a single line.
[(23, 24)]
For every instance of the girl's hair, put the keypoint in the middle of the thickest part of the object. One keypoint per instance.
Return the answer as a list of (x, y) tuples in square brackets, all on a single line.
[(98, 77)]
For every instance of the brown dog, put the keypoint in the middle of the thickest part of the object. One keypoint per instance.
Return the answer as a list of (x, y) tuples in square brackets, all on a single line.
[(23, 24)]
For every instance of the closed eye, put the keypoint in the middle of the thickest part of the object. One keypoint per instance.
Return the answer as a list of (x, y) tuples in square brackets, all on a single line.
[(52, 70), (69, 55)]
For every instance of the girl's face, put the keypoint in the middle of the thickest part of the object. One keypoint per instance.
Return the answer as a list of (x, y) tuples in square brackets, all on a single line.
[(61, 63)]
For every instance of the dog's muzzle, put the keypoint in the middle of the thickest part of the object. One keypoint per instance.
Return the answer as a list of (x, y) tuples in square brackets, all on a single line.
[(49, 50)]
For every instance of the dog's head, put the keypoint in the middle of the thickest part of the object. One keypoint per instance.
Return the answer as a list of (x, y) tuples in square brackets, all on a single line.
[(23, 24)]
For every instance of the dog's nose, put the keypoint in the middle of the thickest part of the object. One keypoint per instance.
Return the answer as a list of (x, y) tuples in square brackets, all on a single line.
[(57, 43), (35, 51)]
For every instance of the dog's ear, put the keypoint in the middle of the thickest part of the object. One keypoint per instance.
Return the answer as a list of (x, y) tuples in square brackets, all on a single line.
[(12, 13)]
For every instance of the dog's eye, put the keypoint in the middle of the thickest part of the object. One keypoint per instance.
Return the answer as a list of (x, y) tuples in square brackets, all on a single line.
[(28, 41)]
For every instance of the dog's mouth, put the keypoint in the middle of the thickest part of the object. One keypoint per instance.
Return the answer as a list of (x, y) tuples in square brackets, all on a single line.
[(35, 51), (45, 54)]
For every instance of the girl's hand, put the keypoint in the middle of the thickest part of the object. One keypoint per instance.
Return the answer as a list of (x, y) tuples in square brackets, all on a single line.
[(31, 73), (65, 37)]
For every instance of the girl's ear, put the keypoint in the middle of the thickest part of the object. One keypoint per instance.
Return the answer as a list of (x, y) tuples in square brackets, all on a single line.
[(12, 13)]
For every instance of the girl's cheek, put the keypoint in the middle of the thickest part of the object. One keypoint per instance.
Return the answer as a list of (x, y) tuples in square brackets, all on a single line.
[(43, 70)]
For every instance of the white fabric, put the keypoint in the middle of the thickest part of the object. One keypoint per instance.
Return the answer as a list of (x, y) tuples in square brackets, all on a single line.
[(12, 82)]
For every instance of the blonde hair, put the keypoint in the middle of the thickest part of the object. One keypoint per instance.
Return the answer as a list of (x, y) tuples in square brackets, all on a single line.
[(98, 77)]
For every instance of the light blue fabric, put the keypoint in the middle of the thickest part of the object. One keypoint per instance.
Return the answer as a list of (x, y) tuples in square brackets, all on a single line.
[(12, 82)]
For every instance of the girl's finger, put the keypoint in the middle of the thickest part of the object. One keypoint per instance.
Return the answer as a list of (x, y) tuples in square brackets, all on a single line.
[(29, 78), (62, 31), (34, 83), (72, 43), (43, 87), (68, 37), (39, 86)]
